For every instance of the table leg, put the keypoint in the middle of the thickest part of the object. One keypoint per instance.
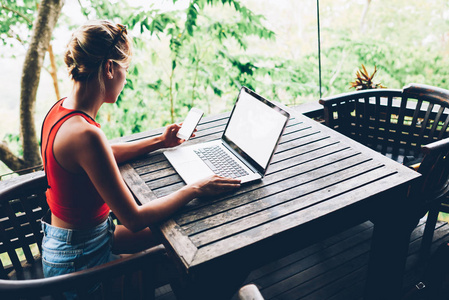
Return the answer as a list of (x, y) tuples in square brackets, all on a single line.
[(389, 248)]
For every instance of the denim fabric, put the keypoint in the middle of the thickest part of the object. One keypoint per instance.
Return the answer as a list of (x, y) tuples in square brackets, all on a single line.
[(67, 250)]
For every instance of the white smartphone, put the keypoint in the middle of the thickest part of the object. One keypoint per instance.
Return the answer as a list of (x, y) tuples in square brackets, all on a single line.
[(188, 126)]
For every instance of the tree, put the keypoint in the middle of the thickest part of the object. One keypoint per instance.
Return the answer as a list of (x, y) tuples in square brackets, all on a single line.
[(47, 16)]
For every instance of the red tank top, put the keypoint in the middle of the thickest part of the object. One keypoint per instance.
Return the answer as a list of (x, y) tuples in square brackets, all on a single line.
[(71, 197)]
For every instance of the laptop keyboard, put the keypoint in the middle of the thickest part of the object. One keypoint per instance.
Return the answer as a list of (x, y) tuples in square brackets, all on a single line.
[(220, 162)]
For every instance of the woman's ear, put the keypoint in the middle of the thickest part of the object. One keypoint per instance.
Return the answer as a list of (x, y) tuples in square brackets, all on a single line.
[(109, 69)]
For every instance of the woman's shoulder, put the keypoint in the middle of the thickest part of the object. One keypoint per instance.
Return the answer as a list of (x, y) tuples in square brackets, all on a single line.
[(76, 139), (78, 130)]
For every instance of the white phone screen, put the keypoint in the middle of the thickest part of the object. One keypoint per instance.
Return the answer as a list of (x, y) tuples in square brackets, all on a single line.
[(188, 126)]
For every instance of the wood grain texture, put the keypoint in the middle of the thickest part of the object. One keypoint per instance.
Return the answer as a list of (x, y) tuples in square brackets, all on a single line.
[(316, 176)]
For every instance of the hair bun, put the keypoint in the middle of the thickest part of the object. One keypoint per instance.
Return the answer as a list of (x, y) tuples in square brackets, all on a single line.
[(73, 71)]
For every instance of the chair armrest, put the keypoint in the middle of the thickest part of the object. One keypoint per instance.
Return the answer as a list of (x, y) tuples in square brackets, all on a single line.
[(250, 292), (22, 185), (67, 282), (435, 175), (441, 145)]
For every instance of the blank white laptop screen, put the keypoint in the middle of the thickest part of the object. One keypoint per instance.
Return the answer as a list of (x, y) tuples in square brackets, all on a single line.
[(254, 127)]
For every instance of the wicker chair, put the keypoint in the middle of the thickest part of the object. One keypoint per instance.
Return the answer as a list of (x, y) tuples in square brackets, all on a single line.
[(22, 205), (409, 126)]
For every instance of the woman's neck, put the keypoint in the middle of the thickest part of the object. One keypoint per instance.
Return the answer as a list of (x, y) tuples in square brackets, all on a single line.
[(85, 97)]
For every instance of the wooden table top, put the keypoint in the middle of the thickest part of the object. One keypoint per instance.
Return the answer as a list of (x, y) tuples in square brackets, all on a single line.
[(318, 182)]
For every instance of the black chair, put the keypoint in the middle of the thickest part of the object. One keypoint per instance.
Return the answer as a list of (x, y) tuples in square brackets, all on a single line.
[(22, 205), (409, 126), (435, 170), (393, 122)]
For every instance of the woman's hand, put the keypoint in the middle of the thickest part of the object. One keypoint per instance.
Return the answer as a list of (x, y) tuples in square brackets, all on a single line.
[(169, 136), (215, 185)]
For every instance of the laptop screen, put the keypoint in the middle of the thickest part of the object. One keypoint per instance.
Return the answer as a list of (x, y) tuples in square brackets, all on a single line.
[(255, 127)]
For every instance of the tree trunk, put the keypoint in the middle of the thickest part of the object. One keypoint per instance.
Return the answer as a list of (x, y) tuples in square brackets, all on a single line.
[(54, 71), (363, 17), (44, 24), (11, 161)]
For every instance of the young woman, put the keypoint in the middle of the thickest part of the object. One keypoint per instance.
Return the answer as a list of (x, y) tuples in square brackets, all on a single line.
[(81, 166)]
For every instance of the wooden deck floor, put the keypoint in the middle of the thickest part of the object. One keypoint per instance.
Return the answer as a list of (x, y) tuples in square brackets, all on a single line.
[(332, 269)]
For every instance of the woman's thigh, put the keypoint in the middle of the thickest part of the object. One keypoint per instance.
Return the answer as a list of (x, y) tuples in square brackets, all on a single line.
[(128, 242)]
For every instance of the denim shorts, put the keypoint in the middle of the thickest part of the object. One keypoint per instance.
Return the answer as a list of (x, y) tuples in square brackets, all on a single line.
[(67, 250)]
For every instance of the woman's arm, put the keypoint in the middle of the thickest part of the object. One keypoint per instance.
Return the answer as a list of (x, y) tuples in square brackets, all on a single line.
[(99, 163), (127, 151)]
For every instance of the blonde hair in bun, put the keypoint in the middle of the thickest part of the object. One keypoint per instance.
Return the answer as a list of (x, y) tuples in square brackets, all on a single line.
[(91, 45)]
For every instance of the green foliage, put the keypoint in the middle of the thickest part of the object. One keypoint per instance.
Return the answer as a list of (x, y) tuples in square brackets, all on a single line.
[(16, 21), (196, 57), (397, 65), (200, 55), (13, 141), (404, 39), (97, 9), (181, 60)]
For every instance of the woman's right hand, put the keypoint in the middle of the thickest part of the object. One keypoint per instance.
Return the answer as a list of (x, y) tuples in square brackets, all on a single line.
[(214, 185)]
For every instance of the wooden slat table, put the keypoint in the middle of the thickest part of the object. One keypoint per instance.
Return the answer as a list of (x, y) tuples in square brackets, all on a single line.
[(318, 184)]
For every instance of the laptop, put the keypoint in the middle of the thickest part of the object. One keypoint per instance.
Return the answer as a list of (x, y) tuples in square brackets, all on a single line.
[(246, 147)]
